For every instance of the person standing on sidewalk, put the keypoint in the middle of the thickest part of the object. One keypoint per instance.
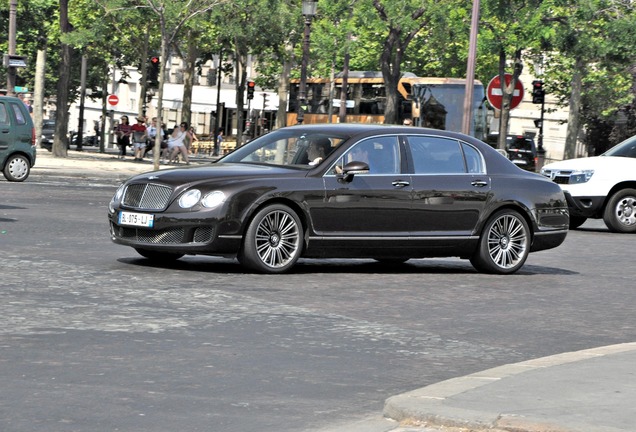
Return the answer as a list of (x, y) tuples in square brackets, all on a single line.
[(123, 131), (139, 134)]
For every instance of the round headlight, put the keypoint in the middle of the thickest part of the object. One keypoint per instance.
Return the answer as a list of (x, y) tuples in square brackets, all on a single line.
[(213, 199), (190, 198)]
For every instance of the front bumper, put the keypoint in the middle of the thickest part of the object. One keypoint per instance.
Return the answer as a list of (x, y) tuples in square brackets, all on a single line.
[(585, 206), (177, 233)]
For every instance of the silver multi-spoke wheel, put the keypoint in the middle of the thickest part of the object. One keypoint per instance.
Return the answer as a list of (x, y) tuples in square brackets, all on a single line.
[(504, 245), (507, 241), (273, 241), (620, 212)]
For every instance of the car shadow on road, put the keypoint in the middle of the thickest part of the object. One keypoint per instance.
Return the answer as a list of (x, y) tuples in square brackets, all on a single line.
[(205, 264)]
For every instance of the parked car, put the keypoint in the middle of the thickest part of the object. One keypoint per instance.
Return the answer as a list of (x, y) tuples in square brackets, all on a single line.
[(389, 193), (48, 132), (520, 148), (17, 139), (600, 187)]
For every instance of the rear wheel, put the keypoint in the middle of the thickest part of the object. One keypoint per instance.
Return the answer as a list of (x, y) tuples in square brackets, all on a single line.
[(158, 256), (17, 168), (504, 244), (273, 240), (620, 212)]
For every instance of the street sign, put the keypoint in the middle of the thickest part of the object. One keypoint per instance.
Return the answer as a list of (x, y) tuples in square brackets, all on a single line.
[(10, 60), (113, 99), (495, 96)]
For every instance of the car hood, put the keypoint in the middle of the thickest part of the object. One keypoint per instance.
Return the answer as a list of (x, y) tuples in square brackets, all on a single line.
[(216, 172), (596, 163)]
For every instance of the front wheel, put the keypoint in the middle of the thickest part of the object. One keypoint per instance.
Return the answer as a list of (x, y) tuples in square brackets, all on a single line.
[(620, 212), (17, 168), (504, 244), (273, 240)]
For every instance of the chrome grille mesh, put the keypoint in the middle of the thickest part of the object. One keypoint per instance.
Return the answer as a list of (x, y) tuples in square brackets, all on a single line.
[(147, 196), (166, 236), (203, 234)]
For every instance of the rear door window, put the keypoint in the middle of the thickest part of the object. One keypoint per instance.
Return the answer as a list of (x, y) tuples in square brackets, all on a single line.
[(18, 114), (4, 117)]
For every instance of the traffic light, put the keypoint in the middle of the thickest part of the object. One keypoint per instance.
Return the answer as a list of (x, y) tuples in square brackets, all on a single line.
[(538, 93), (153, 72), (250, 89)]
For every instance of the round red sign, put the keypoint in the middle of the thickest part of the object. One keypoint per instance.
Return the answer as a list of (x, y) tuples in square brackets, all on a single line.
[(495, 96), (113, 99)]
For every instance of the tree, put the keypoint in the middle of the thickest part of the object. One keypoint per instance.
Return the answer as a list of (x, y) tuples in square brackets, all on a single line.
[(61, 104), (589, 55), (402, 22), (508, 27)]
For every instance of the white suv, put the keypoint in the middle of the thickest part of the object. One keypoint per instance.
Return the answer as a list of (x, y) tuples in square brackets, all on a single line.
[(600, 187)]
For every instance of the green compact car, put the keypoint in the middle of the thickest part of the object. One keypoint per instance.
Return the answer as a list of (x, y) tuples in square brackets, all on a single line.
[(17, 139)]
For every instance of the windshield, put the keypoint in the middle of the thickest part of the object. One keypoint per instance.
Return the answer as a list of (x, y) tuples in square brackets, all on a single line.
[(289, 146), (625, 149)]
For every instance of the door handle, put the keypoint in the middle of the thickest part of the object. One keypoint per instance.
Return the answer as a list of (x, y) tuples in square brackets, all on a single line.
[(400, 183), (479, 183)]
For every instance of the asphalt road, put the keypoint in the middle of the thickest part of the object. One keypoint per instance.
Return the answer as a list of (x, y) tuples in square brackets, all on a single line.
[(95, 338)]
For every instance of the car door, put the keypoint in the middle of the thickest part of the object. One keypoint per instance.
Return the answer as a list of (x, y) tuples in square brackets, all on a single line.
[(374, 204), (450, 186)]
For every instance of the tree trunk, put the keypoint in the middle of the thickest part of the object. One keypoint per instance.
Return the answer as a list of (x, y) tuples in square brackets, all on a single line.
[(390, 61), (507, 94), (38, 94), (572, 133), (283, 86), (189, 75), (61, 121)]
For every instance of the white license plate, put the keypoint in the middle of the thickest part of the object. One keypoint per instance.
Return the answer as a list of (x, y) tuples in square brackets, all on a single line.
[(136, 219)]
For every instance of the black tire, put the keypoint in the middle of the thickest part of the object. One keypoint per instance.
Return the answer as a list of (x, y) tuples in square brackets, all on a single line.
[(620, 212), (504, 244), (576, 221), (17, 168), (158, 256), (273, 241)]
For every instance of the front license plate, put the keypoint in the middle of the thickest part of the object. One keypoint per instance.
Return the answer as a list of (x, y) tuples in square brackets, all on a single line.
[(136, 219)]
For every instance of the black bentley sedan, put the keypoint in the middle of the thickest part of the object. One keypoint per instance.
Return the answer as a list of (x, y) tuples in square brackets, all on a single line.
[(389, 193)]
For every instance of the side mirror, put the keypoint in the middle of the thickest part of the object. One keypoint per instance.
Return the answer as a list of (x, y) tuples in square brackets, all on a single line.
[(352, 168)]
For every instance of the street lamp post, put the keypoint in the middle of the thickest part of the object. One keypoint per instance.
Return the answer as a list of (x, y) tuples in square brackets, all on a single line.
[(309, 11)]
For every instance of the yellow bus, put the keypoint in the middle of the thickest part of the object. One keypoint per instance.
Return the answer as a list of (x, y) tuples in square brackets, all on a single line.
[(427, 101)]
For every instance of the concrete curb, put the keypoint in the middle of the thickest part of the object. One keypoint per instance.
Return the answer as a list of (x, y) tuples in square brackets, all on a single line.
[(429, 404)]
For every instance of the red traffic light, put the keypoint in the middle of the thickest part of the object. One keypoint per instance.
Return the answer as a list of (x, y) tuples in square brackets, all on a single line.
[(154, 60), (251, 84)]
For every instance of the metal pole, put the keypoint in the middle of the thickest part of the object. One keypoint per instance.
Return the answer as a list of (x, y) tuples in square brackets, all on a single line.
[(80, 125), (302, 91), (218, 107), (11, 70), (470, 70), (540, 149)]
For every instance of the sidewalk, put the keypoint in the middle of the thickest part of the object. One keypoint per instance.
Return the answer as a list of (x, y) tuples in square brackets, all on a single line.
[(92, 164), (585, 391)]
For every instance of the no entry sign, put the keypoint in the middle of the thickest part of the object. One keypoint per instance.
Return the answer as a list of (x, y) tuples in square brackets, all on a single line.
[(495, 96), (113, 99)]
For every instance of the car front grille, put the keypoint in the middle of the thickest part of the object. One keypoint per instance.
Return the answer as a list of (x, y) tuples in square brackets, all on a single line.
[(177, 235), (557, 176), (147, 196)]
